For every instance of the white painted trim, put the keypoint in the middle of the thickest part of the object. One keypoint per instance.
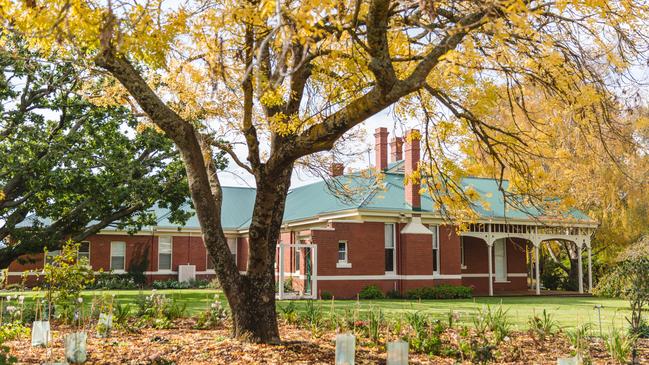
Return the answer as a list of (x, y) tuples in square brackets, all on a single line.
[(388, 277), (346, 221), (343, 265), (323, 229), (486, 275)]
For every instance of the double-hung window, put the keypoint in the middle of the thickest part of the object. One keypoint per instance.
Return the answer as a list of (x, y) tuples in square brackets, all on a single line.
[(297, 259), (118, 256), (343, 256), (165, 247), (390, 257), (435, 231)]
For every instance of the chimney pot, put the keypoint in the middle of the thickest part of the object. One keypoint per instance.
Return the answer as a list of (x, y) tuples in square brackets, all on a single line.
[(412, 152), (396, 149), (337, 169), (381, 148)]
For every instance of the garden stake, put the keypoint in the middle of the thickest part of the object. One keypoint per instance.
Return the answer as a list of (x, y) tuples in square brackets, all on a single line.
[(599, 316)]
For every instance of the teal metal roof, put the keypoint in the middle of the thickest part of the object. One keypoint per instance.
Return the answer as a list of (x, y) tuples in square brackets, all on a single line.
[(363, 192)]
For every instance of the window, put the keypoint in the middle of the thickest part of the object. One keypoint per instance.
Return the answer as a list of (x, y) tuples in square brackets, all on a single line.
[(435, 230), (462, 264), (389, 248), (342, 251), (297, 259), (165, 244), (84, 250), (232, 244), (117, 255)]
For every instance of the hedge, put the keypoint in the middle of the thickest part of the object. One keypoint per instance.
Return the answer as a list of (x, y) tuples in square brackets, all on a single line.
[(442, 291)]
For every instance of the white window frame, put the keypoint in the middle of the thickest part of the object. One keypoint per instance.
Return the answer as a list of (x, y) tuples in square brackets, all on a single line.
[(343, 264), (234, 252), (82, 242), (394, 248), (170, 253), (296, 260), (435, 249), (111, 257)]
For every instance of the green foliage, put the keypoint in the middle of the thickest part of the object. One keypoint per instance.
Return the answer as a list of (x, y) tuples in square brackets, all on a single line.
[(112, 281), (552, 276), (619, 345), (65, 277), (371, 292), (121, 313), (325, 295), (375, 323), (543, 325), (13, 330), (175, 284), (494, 320), (158, 310), (289, 312), (426, 334), (90, 166), (442, 291), (393, 294), (313, 316), (628, 280), (578, 338)]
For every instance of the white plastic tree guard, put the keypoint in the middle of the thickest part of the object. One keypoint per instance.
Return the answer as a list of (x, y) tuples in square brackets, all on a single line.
[(345, 349), (307, 274)]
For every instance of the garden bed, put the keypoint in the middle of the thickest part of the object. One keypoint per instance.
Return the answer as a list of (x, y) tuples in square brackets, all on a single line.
[(184, 345)]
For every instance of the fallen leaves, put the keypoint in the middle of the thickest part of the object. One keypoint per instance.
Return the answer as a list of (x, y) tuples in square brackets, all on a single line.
[(184, 345)]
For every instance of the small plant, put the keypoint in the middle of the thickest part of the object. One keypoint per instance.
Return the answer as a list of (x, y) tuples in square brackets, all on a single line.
[(213, 316), (371, 292), (313, 316), (122, 313), (543, 325), (325, 295), (289, 312), (579, 339), (158, 310), (426, 338), (620, 345), (375, 322), (498, 322)]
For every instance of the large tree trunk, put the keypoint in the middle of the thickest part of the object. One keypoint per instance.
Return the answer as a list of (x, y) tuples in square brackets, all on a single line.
[(252, 300)]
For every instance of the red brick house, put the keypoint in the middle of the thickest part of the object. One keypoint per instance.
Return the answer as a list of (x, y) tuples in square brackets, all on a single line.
[(386, 234)]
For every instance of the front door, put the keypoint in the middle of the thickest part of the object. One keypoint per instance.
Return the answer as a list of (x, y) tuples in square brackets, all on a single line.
[(500, 260)]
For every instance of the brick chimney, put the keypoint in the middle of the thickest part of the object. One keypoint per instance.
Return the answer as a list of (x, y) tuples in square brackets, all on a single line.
[(337, 169), (381, 148), (396, 149), (412, 161)]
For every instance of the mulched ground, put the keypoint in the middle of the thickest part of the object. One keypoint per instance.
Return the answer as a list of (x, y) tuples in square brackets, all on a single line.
[(184, 345)]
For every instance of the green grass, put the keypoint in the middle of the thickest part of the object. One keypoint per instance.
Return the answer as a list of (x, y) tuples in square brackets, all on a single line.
[(568, 311)]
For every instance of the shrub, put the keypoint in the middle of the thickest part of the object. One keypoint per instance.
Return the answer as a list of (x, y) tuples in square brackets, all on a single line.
[(112, 281), (393, 294), (158, 310), (325, 295), (175, 284), (442, 291), (552, 276), (371, 292), (426, 338)]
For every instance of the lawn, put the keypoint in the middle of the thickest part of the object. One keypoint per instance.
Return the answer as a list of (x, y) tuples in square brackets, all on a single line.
[(568, 311)]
